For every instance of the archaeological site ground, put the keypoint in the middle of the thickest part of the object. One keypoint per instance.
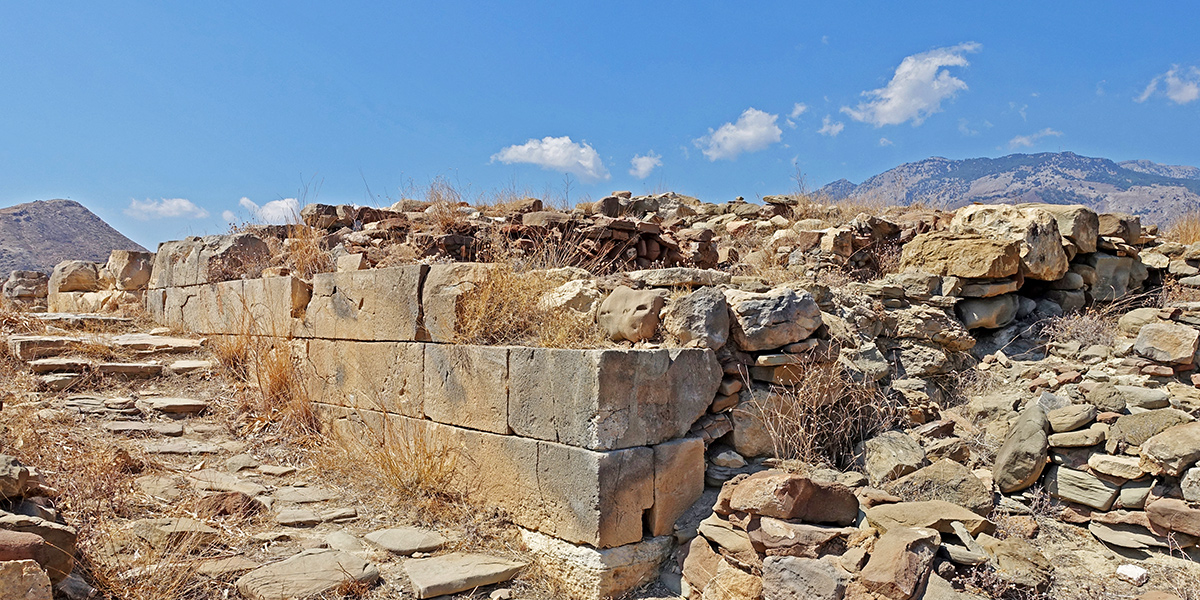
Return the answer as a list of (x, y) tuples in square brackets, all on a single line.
[(638, 397)]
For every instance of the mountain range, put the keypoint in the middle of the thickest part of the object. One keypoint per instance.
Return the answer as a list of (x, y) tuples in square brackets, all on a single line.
[(1157, 193), (38, 235)]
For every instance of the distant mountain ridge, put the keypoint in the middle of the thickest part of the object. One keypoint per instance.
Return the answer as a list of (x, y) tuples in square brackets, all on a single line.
[(35, 236), (1157, 193)]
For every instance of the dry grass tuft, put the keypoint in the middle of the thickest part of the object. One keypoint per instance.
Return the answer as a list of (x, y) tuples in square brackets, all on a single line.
[(1185, 229), (820, 418), (415, 466), (1173, 292), (504, 309), (1094, 325), (306, 255)]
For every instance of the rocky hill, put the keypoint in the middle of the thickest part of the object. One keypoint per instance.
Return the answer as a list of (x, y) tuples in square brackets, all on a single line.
[(38, 235), (1157, 193)]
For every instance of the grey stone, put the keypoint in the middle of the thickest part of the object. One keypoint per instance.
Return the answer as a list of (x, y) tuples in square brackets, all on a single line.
[(1070, 418), (1022, 457), (631, 315), (700, 319), (765, 321), (310, 573), (891, 455), (1133, 430), (1147, 398), (793, 578), (1080, 487), (988, 313), (458, 572), (945, 480), (1169, 343), (1190, 484), (406, 540)]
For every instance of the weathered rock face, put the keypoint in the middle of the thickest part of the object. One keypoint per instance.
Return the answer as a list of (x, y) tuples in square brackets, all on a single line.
[(1167, 343), (786, 496), (1035, 230), (74, 276), (961, 255), (1120, 225), (199, 260), (631, 315), (891, 455), (773, 319), (700, 319), (900, 562), (1077, 223), (945, 480), (27, 288), (1021, 459), (1081, 488), (130, 269), (23, 580), (794, 578), (1173, 451), (582, 296)]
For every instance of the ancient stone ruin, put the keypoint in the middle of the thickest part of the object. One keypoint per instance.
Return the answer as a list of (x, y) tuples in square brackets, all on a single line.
[(663, 453)]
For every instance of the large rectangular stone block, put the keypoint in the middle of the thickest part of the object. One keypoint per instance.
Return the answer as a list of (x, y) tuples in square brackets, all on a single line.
[(382, 376), (678, 482), (275, 305), (582, 496), (374, 304), (609, 399), (467, 386)]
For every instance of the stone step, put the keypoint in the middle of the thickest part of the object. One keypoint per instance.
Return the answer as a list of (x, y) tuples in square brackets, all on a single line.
[(85, 321)]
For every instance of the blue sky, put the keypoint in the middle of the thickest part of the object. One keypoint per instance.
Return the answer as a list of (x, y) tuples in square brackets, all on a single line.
[(167, 118)]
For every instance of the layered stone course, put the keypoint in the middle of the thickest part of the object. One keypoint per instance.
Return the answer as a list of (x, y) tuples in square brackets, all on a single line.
[(587, 446)]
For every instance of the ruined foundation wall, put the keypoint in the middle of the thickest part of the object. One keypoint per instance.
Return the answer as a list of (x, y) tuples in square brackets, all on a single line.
[(587, 446)]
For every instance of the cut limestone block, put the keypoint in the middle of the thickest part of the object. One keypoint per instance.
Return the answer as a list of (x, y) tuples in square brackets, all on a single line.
[(609, 399), (579, 495), (468, 386), (593, 574), (375, 304), (384, 376)]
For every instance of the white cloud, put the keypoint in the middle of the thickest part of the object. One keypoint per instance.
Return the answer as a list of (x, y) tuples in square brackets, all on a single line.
[(885, 142), (1027, 141), (642, 166), (556, 154), (917, 89), (753, 131), (164, 208), (798, 109), (964, 127), (1020, 111), (1179, 87), (275, 212), (830, 127), (228, 216)]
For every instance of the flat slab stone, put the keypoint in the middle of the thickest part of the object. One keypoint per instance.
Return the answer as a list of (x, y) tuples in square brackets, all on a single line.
[(31, 347), (180, 446), (310, 573), (304, 495), (297, 517), (154, 344), (458, 572), (134, 370), (276, 470), (225, 566), (183, 367), (176, 406), (406, 540), (60, 364), (221, 481)]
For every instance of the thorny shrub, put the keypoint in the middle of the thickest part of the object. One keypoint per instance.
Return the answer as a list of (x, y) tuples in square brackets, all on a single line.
[(823, 415)]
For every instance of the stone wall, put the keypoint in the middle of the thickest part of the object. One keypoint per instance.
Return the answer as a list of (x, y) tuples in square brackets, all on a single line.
[(589, 447)]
